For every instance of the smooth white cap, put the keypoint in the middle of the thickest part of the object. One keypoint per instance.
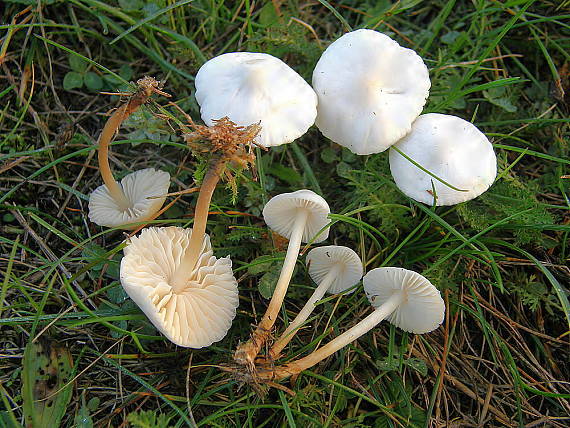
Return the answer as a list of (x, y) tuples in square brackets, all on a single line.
[(423, 308), (322, 260), (280, 212), (452, 149), (370, 90), (137, 187), (256, 87), (199, 315)]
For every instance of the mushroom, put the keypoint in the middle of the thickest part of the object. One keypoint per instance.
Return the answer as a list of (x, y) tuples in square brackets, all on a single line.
[(142, 194), (335, 269), (370, 90), (114, 204), (453, 150), (403, 297), (256, 88), (298, 216), (194, 314)]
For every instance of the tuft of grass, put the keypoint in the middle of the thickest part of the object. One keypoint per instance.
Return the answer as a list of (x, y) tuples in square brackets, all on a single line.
[(501, 261)]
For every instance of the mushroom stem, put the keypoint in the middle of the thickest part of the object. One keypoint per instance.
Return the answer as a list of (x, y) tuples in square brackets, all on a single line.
[(246, 353), (113, 123), (147, 86), (302, 316), (192, 253), (367, 324)]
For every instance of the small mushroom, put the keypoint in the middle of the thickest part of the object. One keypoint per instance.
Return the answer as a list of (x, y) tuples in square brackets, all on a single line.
[(370, 90), (254, 88), (453, 150), (114, 204), (194, 314), (142, 195), (403, 297), (298, 216), (335, 269)]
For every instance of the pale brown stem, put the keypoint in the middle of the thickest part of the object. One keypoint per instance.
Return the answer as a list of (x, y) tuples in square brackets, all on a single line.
[(105, 138), (107, 135), (181, 275)]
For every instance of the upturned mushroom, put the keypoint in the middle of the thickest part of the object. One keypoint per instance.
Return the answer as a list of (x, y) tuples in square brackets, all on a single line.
[(370, 90), (142, 194), (335, 269), (119, 205), (451, 149), (258, 88), (403, 297), (192, 314), (298, 216)]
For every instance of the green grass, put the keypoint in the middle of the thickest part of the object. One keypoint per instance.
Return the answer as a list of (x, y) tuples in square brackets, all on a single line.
[(501, 260)]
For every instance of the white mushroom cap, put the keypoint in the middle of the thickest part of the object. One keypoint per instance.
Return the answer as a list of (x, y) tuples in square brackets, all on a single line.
[(137, 187), (256, 87), (452, 149), (280, 212), (194, 317), (422, 309), (370, 90), (322, 260)]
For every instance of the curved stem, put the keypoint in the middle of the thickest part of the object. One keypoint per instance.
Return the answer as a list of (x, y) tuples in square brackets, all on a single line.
[(302, 316), (105, 138), (246, 353), (192, 253), (147, 87), (367, 324)]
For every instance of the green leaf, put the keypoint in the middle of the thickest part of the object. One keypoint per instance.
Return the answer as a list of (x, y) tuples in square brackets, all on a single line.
[(388, 364), (418, 365), (117, 294), (148, 419), (77, 63), (131, 5), (268, 15), (289, 175), (126, 72), (267, 283), (46, 386), (328, 155), (82, 418), (260, 265), (72, 80), (93, 81)]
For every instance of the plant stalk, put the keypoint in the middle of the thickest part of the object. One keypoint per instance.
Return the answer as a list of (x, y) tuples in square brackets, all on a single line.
[(302, 316), (246, 353)]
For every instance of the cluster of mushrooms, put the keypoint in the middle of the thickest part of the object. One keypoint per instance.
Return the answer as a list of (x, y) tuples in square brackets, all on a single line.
[(367, 95)]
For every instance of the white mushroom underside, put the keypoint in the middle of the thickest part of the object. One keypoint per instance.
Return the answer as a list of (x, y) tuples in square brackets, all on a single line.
[(195, 317), (256, 88), (452, 149), (370, 90), (138, 187), (322, 260), (423, 308), (281, 210)]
